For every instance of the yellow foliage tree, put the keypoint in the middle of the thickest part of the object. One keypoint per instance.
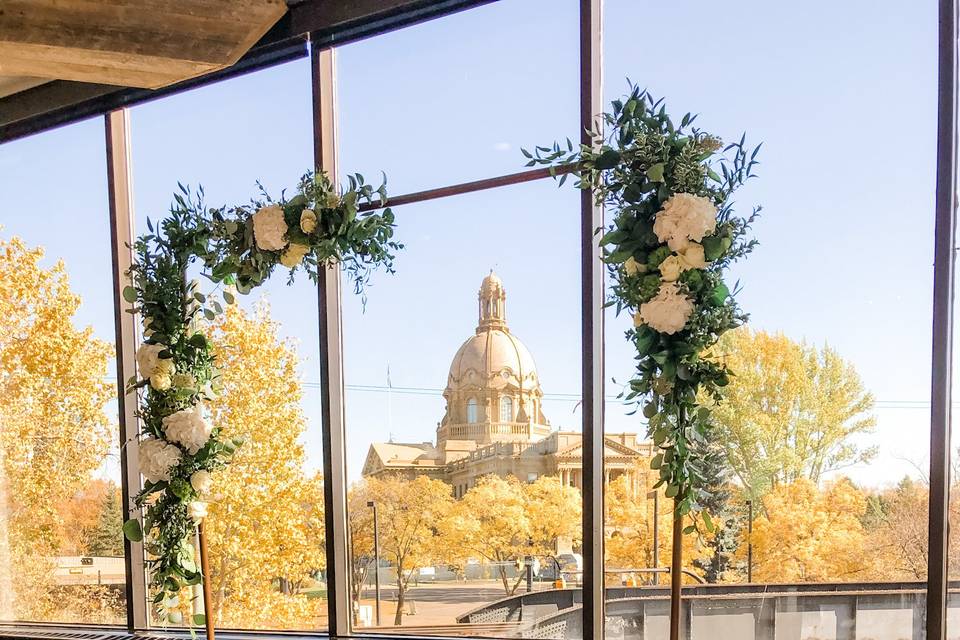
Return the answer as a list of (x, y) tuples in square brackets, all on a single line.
[(502, 520), (54, 432), (791, 410), (809, 535), (410, 514), (265, 528), (629, 521)]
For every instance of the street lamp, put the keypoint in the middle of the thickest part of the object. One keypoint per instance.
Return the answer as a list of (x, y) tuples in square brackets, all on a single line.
[(656, 533), (749, 541), (376, 557)]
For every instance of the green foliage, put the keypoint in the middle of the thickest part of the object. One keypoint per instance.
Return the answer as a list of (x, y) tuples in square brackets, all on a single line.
[(105, 538), (722, 522), (642, 161), (222, 242)]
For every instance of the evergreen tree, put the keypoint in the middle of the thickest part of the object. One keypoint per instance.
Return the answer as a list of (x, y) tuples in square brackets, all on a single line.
[(721, 544), (105, 539)]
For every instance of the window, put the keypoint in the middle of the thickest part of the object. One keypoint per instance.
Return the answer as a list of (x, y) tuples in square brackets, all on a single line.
[(825, 491), (61, 546), (268, 344), (807, 344), (506, 409), (471, 490)]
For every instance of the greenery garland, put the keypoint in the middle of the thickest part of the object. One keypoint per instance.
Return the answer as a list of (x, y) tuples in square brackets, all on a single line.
[(237, 248), (672, 237)]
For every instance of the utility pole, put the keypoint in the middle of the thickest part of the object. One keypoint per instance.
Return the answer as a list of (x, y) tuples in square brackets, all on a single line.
[(749, 541), (376, 558)]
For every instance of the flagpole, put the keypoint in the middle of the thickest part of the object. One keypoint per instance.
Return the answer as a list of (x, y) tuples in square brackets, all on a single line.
[(389, 404)]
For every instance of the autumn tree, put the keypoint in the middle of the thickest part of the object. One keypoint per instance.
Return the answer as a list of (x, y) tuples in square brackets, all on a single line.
[(630, 520), (410, 514), (502, 520), (265, 527), (556, 513), (809, 535), (791, 410), (79, 514), (55, 431), (360, 521)]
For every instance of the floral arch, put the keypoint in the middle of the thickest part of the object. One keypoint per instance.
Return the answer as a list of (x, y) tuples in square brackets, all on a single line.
[(237, 248)]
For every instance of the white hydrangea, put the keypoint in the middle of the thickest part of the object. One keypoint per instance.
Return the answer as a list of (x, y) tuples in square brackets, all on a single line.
[(189, 428), (667, 312), (157, 458), (148, 359), (269, 228), (685, 217)]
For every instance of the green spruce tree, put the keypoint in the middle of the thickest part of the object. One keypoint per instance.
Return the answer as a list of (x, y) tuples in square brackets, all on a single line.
[(105, 539), (722, 541)]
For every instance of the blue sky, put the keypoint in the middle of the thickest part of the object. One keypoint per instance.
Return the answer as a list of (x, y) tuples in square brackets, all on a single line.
[(843, 96)]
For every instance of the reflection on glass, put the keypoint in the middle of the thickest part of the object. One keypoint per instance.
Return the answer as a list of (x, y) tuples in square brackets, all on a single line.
[(265, 528), (819, 453), (463, 407), (61, 546)]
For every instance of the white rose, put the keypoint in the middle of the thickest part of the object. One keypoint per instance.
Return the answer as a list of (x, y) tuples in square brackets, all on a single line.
[(189, 428), (147, 331), (293, 255), (197, 510), (162, 374), (201, 481), (308, 221), (685, 217), (668, 312), (632, 267), (184, 381), (148, 358), (692, 257), (161, 381), (207, 391), (671, 268), (157, 458), (269, 228)]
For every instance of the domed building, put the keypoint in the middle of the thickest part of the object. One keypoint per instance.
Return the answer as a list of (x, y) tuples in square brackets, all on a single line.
[(494, 421)]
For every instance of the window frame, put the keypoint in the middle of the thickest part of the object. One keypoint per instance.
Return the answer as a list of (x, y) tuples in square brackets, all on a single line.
[(118, 142)]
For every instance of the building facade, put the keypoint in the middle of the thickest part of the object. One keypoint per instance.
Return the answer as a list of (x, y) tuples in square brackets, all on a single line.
[(494, 421)]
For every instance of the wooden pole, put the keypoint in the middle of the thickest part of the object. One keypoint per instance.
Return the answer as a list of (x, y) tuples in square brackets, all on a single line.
[(676, 564), (205, 570)]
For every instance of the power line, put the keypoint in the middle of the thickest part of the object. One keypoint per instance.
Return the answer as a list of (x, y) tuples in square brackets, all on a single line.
[(571, 397)]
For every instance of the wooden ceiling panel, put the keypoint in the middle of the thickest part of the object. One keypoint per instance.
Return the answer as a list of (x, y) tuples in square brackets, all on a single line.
[(134, 43)]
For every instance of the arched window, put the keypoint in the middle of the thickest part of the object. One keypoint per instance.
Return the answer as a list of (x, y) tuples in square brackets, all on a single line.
[(472, 410), (506, 409)]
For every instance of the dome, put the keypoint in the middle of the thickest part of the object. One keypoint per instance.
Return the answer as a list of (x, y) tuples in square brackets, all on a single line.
[(493, 391), (492, 358)]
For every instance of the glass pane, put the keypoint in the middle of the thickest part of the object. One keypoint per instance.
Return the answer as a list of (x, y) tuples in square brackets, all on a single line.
[(61, 547), (456, 98), (822, 447), (484, 306), (265, 523)]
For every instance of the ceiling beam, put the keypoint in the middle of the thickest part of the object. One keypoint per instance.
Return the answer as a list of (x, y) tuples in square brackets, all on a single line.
[(326, 22)]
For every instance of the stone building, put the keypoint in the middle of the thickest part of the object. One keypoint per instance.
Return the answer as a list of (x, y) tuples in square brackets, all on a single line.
[(494, 421)]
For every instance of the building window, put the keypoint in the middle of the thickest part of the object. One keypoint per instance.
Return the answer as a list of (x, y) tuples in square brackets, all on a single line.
[(506, 409), (472, 410)]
